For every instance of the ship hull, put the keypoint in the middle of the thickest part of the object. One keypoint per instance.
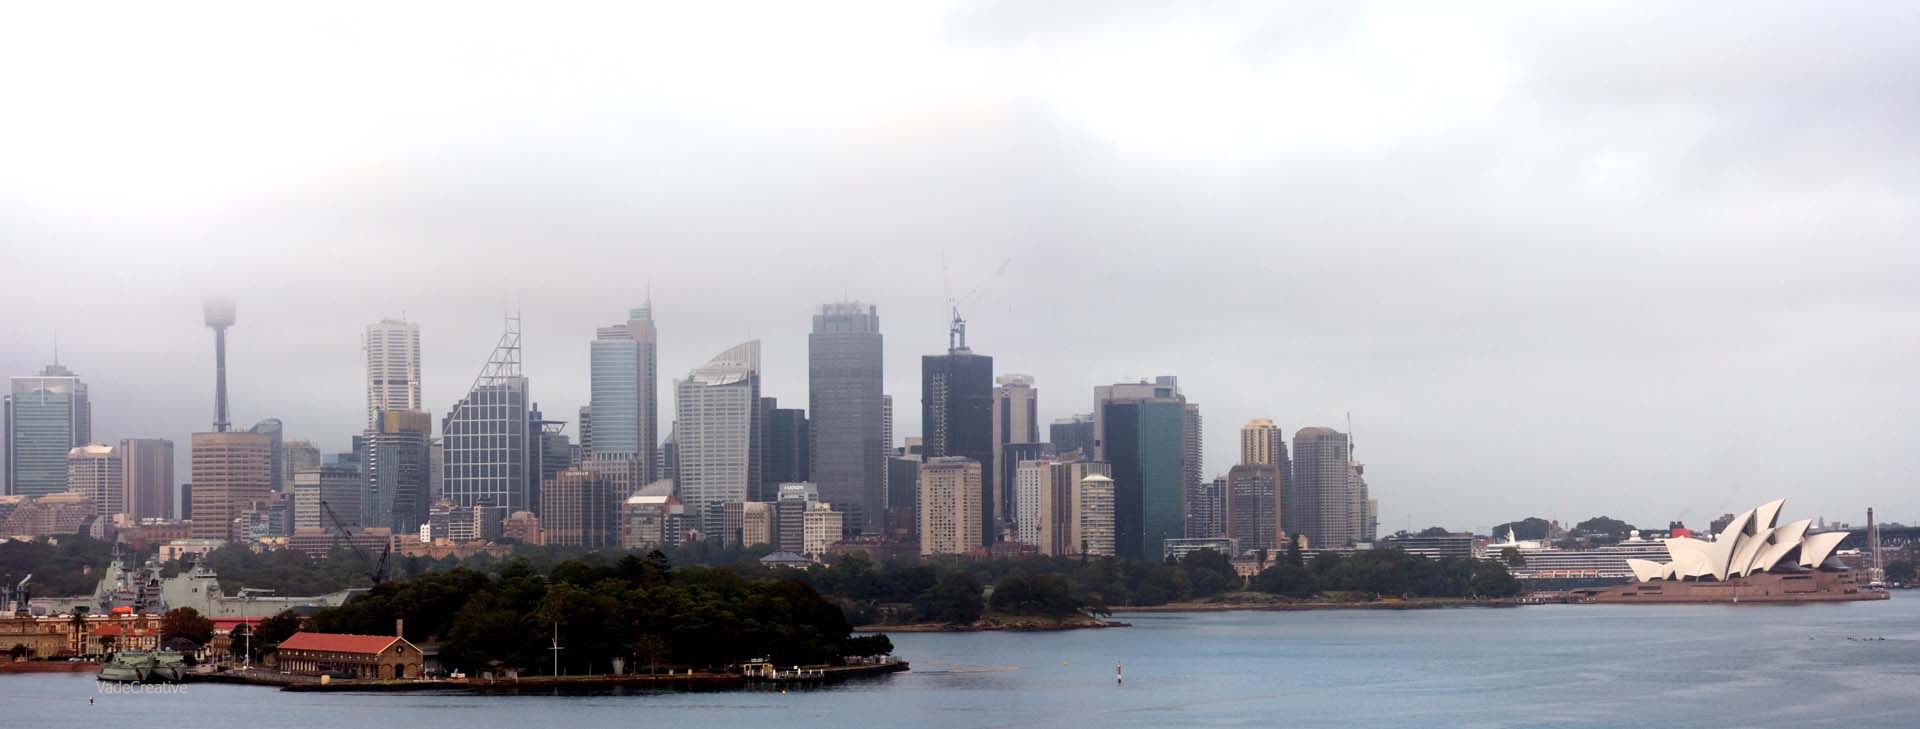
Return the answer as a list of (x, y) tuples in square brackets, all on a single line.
[(1793, 587)]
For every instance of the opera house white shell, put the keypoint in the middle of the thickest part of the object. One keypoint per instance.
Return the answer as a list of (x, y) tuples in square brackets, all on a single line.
[(1753, 543)]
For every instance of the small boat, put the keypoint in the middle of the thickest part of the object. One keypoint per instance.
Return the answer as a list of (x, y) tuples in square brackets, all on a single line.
[(144, 667)]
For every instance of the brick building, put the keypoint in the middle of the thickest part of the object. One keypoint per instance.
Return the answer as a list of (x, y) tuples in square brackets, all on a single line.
[(348, 656)]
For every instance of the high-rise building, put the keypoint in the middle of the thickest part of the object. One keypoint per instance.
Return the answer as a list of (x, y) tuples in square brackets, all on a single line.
[(553, 453), (956, 417), (1098, 516), (1031, 479), (273, 429), (789, 449), (821, 527), (578, 509), (94, 471), (232, 476), (586, 435), (1262, 443), (1365, 506), (757, 525), (625, 391), (1147, 432), (147, 464), (848, 410), (1016, 419), (328, 498), (1207, 510), (718, 431), (1061, 521), (903, 495), (1252, 493), (46, 415), (295, 456), (651, 518), (1073, 434), (486, 451), (790, 515), (399, 463), (392, 347), (950, 496), (1324, 485)]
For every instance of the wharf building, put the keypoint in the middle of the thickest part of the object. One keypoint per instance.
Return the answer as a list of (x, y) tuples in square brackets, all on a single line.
[(849, 412)]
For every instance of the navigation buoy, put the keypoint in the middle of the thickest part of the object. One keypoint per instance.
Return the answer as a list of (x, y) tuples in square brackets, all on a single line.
[(1118, 677)]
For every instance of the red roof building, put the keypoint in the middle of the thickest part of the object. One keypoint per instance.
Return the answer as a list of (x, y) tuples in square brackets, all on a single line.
[(344, 655)]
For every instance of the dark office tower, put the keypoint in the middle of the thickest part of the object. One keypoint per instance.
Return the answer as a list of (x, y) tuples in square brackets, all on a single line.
[(399, 463), (1251, 494), (1072, 435), (272, 429), (788, 448), (956, 412), (484, 437), (577, 509), (625, 391), (903, 496), (1143, 430), (586, 435), (847, 407), (550, 453)]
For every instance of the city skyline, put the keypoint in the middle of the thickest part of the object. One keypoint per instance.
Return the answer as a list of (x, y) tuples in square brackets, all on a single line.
[(1489, 236)]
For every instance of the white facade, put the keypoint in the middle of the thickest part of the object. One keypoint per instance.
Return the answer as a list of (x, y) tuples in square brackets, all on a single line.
[(716, 409), (821, 528), (1030, 482), (393, 368), (94, 471), (1096, 516), (1752, 543)]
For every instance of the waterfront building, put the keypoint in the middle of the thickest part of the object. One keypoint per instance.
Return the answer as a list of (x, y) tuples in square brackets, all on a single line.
[(1098, 516), (625, 391), (717, 429), (392, 347), (1148, 432), (42, 418), (847, 405), (399, 463), (1178, 549), (578, 509), (334, 488), (232, 474), (147, 465), (348, 656), (956, 417), (273, 429), (1252, 510), (789, 448), (95, 471), (1328, 512), (1072, 435), (1441, 546), (950, 497), (485, 450)]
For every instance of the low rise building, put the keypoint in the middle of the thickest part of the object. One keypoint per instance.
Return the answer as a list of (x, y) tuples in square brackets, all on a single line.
[(344, 655)]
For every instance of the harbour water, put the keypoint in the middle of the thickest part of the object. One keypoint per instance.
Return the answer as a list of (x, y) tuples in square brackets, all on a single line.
[(1854, 664)]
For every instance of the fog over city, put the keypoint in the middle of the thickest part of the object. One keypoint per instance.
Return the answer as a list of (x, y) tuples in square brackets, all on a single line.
[(1653, 262)]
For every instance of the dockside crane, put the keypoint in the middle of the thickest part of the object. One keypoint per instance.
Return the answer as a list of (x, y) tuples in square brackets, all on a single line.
[(377, 572)]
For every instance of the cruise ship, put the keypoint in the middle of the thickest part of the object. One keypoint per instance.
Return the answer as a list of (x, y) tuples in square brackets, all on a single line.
[(1546, 568)]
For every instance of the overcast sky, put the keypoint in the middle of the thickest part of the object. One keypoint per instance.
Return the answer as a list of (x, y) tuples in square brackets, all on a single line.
[(1655, 261)]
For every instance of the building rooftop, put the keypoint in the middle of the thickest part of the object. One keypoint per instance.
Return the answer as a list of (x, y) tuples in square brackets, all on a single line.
[(338, 642)]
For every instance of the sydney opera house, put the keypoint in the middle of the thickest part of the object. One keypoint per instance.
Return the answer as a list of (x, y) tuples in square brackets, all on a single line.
[(1752, 560)]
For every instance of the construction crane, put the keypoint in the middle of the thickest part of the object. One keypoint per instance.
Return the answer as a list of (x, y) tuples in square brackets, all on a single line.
[(377, 571)]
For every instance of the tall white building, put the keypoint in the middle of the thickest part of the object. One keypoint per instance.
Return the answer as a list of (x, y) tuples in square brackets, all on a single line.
[(1031, 482), (94, 471), (393, 368), (821, 527), (1096, 516), (717, 423)]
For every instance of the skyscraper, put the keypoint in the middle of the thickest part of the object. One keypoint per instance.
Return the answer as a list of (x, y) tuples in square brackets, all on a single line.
[(1207, 510), (231, 476), (1146, 432), (399, 463), (1251, 494), (1015, 420), (950, 495), (1061, 522), (1324, 485), (272, 428), (956, 416), (1098, 517), (1073, 434), (393, 368), (1262, 443), (789, 449), (717, 431), (625, 391), (147, 464), (94, 471), (486, 453), (579, 508), (331, 488), (45, 416), (848, 409)]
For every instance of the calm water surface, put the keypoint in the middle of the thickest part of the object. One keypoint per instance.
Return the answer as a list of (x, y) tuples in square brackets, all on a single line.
[(1550, 666)]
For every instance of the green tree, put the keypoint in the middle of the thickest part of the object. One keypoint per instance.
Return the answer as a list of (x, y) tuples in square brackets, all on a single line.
[(1900, 570), (186, 622), (1046, 595), (275, 630), (955, 600)]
